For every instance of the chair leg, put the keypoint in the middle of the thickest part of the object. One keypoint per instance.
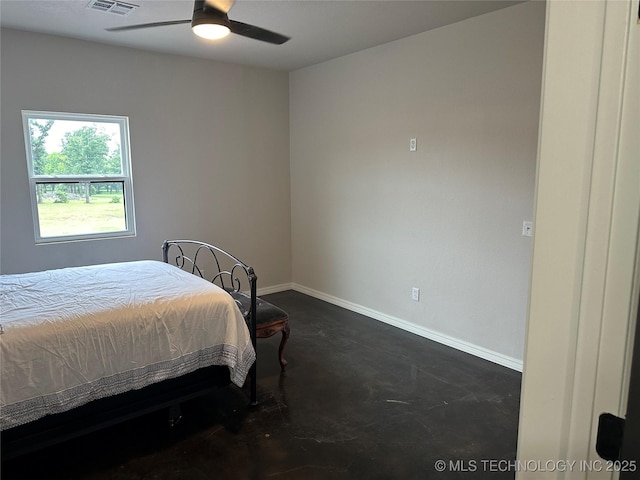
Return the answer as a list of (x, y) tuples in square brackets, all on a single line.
[(285, 336)]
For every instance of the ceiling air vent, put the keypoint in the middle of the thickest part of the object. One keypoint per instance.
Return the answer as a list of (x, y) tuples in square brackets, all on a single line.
[(110, 6)]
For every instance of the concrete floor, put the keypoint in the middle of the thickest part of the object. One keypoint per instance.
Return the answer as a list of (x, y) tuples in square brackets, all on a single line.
[(359, 400)]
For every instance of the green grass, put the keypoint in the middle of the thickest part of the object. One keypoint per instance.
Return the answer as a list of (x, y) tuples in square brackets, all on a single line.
[(78, 217)]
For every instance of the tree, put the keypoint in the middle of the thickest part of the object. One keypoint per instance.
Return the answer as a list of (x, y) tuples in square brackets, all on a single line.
[(113, 164), (86, 151), (55, 164), (39, 132)]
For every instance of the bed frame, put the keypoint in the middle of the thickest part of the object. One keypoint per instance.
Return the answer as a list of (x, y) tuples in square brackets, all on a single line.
[(226, 271), (197, 257)]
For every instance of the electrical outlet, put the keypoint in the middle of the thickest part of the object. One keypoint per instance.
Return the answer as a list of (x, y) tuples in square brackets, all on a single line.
[(413, 144), (527, 229), (415, 294)]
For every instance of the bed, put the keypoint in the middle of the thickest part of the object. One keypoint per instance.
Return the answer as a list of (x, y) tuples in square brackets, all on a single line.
[(86, 347)]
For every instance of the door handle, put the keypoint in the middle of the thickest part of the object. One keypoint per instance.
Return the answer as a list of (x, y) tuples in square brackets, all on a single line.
[(609, 437)]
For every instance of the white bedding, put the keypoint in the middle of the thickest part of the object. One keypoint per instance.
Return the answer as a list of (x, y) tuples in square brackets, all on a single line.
[(78, 334)]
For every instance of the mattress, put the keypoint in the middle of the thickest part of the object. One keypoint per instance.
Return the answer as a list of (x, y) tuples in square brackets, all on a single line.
[(73, 335)]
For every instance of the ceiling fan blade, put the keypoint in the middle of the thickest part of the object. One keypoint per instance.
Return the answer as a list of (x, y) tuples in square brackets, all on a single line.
[(147, 25), (257, 33), (222, 5)]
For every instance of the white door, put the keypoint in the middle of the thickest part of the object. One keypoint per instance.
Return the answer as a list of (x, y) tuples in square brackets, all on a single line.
[(584, 285), (630, 454), (618, 130)]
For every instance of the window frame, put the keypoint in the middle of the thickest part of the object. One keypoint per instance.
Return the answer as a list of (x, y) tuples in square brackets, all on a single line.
[(126, 177)]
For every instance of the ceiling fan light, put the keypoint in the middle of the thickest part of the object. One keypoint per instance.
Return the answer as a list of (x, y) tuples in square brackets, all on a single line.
[(211, 31)]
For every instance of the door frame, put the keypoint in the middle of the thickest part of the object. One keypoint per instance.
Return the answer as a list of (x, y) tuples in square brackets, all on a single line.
[(584, 278)]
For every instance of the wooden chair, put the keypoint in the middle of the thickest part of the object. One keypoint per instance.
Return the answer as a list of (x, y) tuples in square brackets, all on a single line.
[(269, 321)]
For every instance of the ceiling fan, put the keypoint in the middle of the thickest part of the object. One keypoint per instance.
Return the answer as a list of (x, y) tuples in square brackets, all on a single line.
[(210, 21)]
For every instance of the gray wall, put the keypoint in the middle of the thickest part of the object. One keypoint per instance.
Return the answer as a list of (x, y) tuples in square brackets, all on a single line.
[(308, 176), (370, 220), (209, 149)]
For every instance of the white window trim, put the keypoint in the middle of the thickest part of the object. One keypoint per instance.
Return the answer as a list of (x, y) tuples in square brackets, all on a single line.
[(126, 178)]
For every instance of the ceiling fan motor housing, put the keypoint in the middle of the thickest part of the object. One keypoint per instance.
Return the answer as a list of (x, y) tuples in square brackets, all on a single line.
[(206, 15)]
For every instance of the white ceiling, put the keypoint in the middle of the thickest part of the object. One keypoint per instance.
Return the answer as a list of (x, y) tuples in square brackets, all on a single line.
[(319, 29)]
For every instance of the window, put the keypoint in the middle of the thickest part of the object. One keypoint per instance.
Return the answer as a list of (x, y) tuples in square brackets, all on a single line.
[(79, 175)]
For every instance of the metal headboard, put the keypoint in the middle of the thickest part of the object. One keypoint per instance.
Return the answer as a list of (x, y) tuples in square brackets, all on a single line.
[(223, 269)]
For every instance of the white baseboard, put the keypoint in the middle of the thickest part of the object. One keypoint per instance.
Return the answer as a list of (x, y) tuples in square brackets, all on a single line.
[(275, 289), (484, 353)]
